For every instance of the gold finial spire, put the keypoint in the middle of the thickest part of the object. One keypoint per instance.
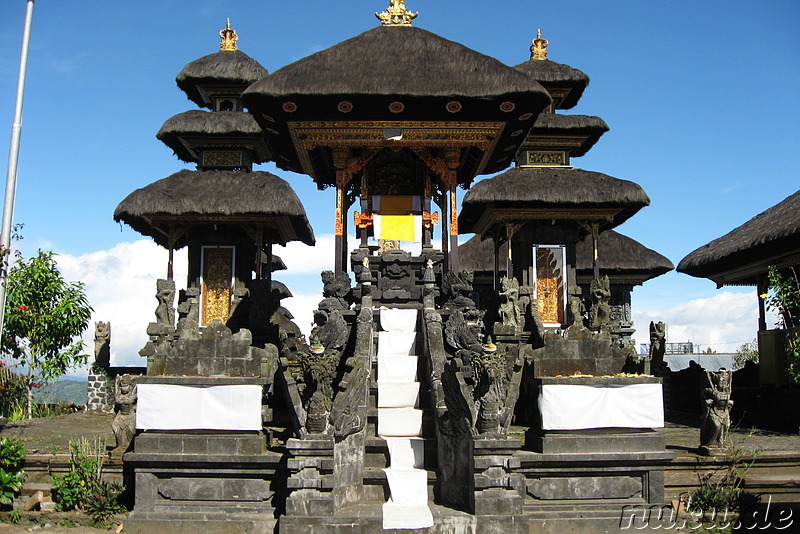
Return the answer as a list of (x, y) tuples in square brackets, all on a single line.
[(228, 37), (539, 47), (396, 14)]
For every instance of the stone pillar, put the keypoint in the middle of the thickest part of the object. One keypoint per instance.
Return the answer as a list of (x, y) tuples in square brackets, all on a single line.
[(310, 483), (499, 491)]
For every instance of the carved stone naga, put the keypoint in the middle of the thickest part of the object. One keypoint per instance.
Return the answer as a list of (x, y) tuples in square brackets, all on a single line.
[(717, 406), (102, 344), (319, 364), (335, 290)]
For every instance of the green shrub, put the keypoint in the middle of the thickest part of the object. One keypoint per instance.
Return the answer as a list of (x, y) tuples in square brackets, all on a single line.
[(12, 456), (83, 488)]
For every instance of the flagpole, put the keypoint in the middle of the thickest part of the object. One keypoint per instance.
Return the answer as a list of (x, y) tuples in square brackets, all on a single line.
[(13, 159)]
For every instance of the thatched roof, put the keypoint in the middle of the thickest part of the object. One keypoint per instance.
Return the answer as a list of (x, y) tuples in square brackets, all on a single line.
[(554, 124), (552, 188), (204, 197), (394, 73), (621, 255), (554, 75), (767, 238), (225, 68), (210, 125), (277, 262), (395, 60), (618, 255)]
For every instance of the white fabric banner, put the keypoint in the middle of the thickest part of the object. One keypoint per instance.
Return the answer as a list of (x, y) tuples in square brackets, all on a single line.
[(176, 407), (398, 394), (574, 407), (397, 369), (396, 516), (399, 320), (399, 422), (396, 343)]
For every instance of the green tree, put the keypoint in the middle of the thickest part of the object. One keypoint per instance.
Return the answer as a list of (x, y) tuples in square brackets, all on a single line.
[(43, 316), (747, 352)]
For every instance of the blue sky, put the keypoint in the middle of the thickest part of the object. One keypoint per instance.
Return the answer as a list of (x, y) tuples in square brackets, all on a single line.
[(701, 98)]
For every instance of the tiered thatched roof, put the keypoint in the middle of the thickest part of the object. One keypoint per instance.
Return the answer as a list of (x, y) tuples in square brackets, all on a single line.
[(770, 238), (619, 256), (550, 124), (226, 67), (556, 75), (222, 197), (553, 189), (209, 125)]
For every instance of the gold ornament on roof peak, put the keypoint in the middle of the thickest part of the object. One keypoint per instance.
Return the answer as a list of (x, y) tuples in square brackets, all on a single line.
[(539, 47), (396, 14), (228, 37)]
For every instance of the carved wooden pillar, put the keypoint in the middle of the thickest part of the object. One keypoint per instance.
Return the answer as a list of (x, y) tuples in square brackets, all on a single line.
[(451, 157), (340, 157), (427, 230)]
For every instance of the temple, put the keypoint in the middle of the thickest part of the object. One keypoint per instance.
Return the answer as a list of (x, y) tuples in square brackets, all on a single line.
[(484, 387)]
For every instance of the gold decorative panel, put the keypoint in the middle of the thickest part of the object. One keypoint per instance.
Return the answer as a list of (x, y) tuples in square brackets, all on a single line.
[(222, 158), (549, 286), (216, 287), (544, 158)]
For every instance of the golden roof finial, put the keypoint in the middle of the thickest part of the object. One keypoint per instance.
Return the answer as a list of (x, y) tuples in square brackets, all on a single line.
[(539, 47), (228, 37), (396, 14)]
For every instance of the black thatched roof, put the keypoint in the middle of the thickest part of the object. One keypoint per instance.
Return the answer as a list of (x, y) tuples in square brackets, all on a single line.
[(395, 60), (395, 73), (618, 255), (553, 188), (209, 124), (554, 75), (226, 67), (767, 237), (217, 196), (554, 124)]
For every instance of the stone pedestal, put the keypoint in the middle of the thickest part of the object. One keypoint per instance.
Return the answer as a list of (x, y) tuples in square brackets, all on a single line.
[(499, 490), (310, 481)]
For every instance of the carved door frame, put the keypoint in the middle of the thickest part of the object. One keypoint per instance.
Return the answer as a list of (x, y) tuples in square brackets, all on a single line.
[(203, 288)]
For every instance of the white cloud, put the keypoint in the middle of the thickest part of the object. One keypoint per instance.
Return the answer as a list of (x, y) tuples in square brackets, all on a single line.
[(302, 307), (302, 259), (722, 322), (121, 287)]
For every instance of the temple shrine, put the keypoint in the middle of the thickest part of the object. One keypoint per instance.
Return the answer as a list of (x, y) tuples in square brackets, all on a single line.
[(487, 387)]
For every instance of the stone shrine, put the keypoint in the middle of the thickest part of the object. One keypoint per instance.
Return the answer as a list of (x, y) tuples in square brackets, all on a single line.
[(427, 397)]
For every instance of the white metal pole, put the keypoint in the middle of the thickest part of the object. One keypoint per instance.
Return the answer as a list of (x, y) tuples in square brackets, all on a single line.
[(13, 159)]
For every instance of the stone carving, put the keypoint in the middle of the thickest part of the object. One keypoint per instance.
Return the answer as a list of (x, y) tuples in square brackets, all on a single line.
[(335, 290), (577, 310), (462, 337), (509, 313), (319, 365), (102, 345), (348, 414), (717, 406), (658, 333), (492, 373), (396, 281), (462, 414), (124, 424), (457, 289), (600, 313), (165, 294)]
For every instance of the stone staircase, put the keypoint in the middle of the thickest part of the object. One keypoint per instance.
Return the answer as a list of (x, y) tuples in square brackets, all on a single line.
[(399, 410)]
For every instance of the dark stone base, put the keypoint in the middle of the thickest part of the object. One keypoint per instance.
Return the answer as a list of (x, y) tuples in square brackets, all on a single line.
[(620, 440), (194, 522)]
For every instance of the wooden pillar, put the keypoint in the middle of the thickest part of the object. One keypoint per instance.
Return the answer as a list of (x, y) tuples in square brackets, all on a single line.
[(170, 253), (510, 230), (595, 250), (453, 258), (427, 231), (269, 261), (445, 228), (338, 226), (762, 286), (496, 247)]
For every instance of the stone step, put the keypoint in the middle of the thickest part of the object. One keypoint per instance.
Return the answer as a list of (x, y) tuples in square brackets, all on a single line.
[(29, 488)]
